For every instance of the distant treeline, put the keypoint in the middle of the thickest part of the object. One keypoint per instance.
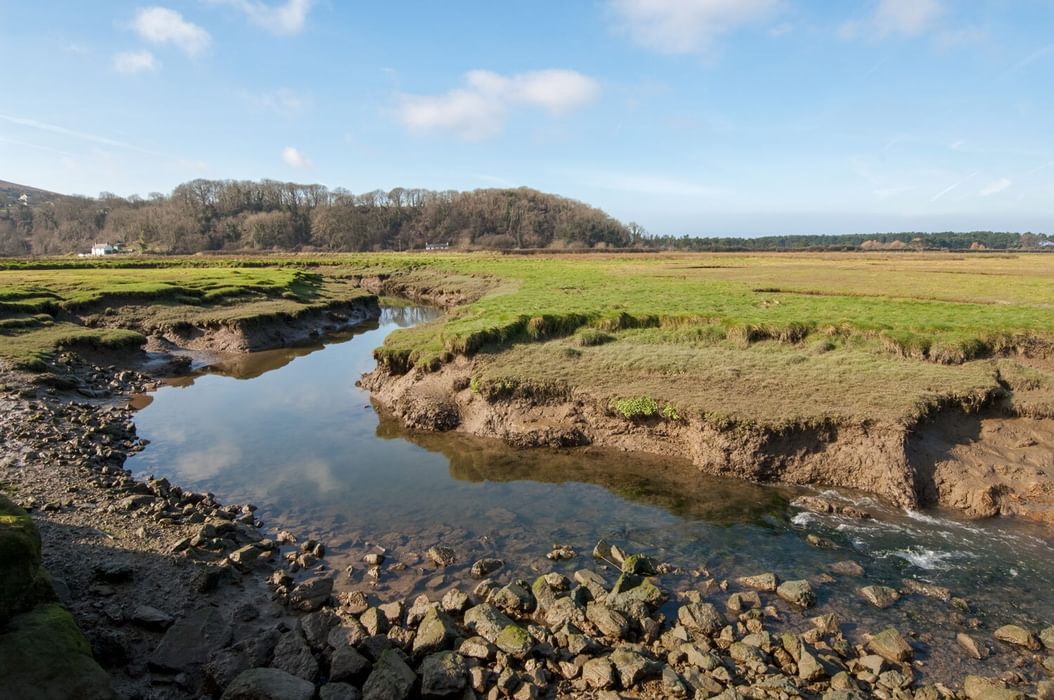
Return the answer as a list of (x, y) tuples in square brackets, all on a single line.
[(206, 215), (217, 215), (974, 240)]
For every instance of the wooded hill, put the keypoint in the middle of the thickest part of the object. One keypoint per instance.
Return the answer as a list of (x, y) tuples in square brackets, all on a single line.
[(239, 215)]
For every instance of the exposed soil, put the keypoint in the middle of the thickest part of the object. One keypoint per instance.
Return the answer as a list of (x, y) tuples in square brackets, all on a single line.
[(985, 465)]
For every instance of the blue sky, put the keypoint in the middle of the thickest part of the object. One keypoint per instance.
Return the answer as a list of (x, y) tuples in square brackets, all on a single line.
[(709, 117)]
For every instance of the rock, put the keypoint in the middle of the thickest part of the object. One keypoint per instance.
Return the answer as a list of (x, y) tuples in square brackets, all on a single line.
[(294, 656), (927, 589), (346, 664), (610, 623), (514, 641), (137, 501), (391, 678), (485, 567), (880, 596), (639, 565), (441, 556), (598, 673), (244, 558), (759, 582), (1047, 638), (701, 617), (393, 611), (373, 559), (981, 688), (487, 621), (1015, 634), (809, 669), (339, 691), (514, 598), (454, 601), (151, 618), (476, 648), (630, 587), (672, 685), (44, 655), (799, 593), (192, 641), (316, 627), (821, 542), (632, 666), (847, 568), (374, 621), (435, 633), (268, 684), (312, 594), (1045, 690), (890, 645), (225, 666), (111, 572), (348, 633), (22, 581), (544, 596), (355, 602), (561, 552), (974, 648), (443, 674)]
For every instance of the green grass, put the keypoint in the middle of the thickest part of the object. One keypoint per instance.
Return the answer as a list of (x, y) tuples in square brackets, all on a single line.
[(778, 338)]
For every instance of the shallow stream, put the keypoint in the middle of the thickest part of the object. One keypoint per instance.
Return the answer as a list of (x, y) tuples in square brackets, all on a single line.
[(289, 431)]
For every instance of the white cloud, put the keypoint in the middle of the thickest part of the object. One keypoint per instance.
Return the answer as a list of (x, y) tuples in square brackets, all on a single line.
[(132, 62), (995, 187), (160, 25), (284, 18), (295, 159), (906, 17), (479, 109), (684, 26)]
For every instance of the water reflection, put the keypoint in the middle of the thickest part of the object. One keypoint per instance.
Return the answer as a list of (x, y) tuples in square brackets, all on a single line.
[(671, 484)]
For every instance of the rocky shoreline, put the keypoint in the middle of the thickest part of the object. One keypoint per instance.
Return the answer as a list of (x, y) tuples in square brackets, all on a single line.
[(181, 596)]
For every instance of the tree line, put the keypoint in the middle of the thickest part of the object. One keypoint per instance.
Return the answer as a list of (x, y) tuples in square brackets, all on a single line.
[(235, 215), (213, 215)]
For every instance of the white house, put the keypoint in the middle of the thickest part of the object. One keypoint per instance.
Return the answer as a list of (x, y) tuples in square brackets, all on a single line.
[(102, 249), (24, 200)]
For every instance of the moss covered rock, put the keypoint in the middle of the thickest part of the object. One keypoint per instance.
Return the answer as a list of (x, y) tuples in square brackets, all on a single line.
[(20, 573), (44, 656)]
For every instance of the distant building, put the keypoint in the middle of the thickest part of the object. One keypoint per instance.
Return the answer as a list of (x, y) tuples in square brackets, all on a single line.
[(437, 246), (24, 200), (103, 249), (1046, 244)]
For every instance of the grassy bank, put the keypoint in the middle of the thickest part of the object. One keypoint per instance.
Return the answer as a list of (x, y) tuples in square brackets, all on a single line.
[(776, 337)]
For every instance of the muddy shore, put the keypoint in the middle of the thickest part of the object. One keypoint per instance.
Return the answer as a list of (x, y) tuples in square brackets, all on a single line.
[(985, 461), (181, 596)]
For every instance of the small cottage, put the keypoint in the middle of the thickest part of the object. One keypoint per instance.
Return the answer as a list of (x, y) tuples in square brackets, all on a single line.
[(102, 249)]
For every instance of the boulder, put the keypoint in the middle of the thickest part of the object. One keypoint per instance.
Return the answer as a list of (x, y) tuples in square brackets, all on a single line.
[(339, 691), (444, 673), (391, 678), (880, 596), (799, 593), (485, 567), (268, 684), (312, 594), (487, 621), (347, 664), (191, 641), (701, 617), (441, 556), (43, 655), (435, 633), (972, 647), (610, 622), (760, 582), (294, 656), (514, 641), (598, 673), (890, 645), (21, 578), (981, 688), (1017, 635), (632, 665)]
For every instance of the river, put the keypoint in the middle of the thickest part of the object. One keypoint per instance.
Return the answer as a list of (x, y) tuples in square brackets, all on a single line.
[(289, 431)]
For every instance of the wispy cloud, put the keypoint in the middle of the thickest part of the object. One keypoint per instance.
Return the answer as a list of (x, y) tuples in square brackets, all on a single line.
[(892, 17), (479, 109), (295, 159), (1031, 58), (995, 187), (954, 185), (282, 101), (133, 62), (686, 26), (160, 25), (284, 18)]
